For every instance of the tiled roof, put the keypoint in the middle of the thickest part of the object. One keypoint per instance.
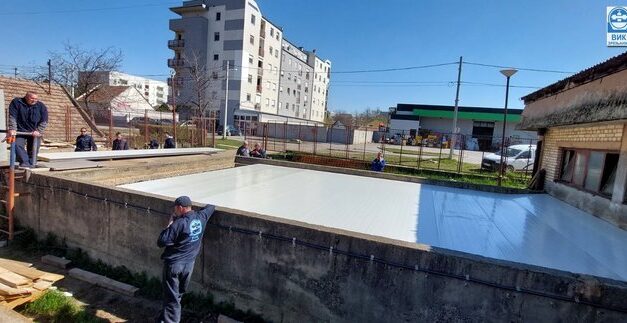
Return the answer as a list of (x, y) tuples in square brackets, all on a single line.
[(64, 118), (106, 93), (610, 66)]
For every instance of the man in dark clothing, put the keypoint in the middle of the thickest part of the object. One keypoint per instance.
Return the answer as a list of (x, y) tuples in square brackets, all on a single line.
[(27, 114), (119, 143), (243, 150), (182, 239), (153, 144), (169, 141), (258, 152), (85, 142), (378, 163)]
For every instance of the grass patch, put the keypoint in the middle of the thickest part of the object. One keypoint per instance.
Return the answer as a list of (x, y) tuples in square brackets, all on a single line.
[(228, 143), (53, 307), (416, 152)]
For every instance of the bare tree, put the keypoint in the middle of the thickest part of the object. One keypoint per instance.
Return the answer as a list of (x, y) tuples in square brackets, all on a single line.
[(198, 78), (78, 69)]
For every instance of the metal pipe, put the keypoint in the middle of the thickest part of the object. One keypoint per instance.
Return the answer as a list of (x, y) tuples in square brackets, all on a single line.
[(501, 168)]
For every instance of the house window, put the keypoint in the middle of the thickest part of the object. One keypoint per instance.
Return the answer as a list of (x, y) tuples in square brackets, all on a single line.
[(590, 170), (252, 39), (218, 16), (216, 57), (253, 19), (216, 36)]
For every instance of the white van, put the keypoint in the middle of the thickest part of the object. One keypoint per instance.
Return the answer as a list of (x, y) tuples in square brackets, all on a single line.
[(517, 158)]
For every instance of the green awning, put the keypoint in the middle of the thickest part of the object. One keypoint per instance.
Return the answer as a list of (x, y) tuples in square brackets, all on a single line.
[(480, 116)]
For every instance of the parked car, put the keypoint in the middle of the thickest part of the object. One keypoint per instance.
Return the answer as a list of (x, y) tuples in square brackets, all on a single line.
[(517, 158), (230, 131)]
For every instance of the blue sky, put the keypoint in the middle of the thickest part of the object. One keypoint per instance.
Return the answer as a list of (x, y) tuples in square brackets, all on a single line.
[(354, 35)]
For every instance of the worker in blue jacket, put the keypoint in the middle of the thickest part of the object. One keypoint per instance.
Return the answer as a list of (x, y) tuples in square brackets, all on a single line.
[(27, 114), (182, 239), (85, 142), (169, 141), (378, 163)]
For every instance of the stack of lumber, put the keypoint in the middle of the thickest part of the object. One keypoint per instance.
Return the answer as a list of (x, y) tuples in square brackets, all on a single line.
[(20, 284)]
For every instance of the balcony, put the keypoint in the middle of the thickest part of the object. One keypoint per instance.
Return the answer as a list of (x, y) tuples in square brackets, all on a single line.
[(260, 71), (261, 52), (176, 43), (176, 62), (175, 81)]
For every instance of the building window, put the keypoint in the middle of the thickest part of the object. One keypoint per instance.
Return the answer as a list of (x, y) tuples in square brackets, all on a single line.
[(270, 50), (280, 89), (276, 53), (250, 78), (267, 102), (288, 91), (218, 16), (216, 36), (216, 57), (248, 97), (590, 170), (273, 103), (253, 19), (252, 39), (250, 59), (271, 32)]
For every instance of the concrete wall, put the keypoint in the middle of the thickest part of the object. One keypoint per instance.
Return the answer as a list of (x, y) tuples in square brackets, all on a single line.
[(607, 136), (303, 280), (319, 134)]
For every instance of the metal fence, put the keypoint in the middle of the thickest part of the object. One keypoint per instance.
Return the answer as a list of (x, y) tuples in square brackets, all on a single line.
[(423, 150), (140, 127)]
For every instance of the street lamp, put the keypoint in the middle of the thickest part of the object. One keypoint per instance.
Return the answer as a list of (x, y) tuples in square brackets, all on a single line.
[(508, 73)]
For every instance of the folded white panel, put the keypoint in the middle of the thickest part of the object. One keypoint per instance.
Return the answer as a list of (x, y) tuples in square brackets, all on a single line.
[(534, 229), (121, 154)]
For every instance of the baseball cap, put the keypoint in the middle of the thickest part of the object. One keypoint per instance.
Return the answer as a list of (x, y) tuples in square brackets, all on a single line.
[(184, 201)]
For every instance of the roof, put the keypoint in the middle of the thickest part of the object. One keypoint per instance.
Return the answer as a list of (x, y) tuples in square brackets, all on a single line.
[(60, 107), (106, 93), (610, 66), (468, 113)]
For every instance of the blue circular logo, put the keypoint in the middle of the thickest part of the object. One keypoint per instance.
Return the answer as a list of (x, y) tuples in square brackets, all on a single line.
[(618, 18)]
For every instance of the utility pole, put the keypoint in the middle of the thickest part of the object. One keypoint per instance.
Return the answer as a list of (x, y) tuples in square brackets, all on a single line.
[(454, 132), (226, 99), (15, 72), (49, 77)]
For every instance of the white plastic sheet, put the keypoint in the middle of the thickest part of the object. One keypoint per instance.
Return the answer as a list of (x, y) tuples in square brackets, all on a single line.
[(534, 229)]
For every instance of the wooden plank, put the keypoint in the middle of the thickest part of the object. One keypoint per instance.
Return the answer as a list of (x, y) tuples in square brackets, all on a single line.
[(34, 296), (21, 263), (15, 267), (14, 280), (10, 291), (51, 277), (42, 284)]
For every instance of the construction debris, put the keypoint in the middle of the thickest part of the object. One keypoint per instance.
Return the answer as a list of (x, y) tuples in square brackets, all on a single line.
[(20, 284)]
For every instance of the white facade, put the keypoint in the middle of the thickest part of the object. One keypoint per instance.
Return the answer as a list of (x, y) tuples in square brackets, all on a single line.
[(215, 32), (320, 89), (156, 92)]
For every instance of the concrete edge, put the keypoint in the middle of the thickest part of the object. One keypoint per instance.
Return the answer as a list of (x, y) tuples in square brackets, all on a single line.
[(396, 177), (103, 281)]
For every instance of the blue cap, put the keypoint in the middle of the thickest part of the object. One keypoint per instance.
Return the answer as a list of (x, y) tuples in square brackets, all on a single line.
[(184, 201)]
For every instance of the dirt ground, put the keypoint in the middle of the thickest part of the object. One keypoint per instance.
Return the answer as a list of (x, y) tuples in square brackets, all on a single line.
[(99, 301)]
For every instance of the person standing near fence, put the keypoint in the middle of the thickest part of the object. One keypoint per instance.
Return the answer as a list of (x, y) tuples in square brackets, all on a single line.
[(378, 164), (119, 143), (182, 239), (27, 114), (85, 142), (169, 141)]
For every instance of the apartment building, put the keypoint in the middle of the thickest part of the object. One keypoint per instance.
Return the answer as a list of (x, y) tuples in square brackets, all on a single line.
[(156, 92), (213, 34)]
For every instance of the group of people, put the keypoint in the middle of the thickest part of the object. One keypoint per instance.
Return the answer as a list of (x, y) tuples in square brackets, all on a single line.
[(85, 142), (258, 151)]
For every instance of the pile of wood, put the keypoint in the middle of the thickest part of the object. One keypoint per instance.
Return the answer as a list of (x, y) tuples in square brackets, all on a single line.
[(20, 284)]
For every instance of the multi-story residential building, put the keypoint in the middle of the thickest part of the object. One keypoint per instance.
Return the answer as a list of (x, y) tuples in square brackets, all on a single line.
[(211, 34), (156, 92)]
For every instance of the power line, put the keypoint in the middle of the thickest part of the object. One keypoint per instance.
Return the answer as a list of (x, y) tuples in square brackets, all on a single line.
[(519, 68), (499, 85)]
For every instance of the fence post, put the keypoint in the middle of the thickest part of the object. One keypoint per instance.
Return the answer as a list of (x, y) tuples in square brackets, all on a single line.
[(110, 141), (400, 158), (330, 138), (145, 127), (365, 139), (462, 147), (440, 154), (299, 136), (315, 138), (130, 130), (420, 153)]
